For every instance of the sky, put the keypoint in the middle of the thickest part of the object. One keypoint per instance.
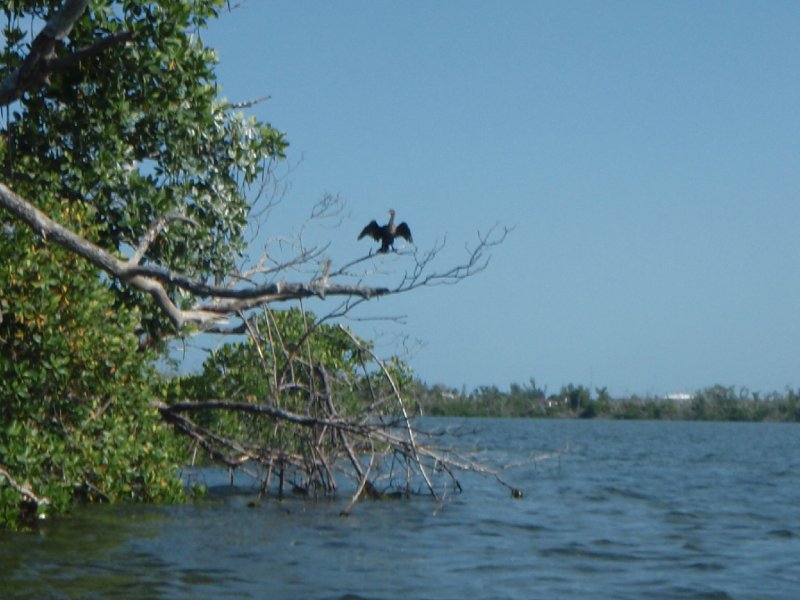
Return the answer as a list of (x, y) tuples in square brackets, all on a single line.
[(647, 155)]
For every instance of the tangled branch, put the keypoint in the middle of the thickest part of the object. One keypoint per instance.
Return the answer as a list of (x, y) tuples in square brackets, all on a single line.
[(310, 419), (25, 492), (153, 279), (41, 62)]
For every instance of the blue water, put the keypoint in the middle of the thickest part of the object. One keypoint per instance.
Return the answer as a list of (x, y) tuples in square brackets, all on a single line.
[(633, 510)]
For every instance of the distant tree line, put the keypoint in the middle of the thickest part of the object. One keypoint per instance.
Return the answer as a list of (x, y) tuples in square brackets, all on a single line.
[(715, 403)]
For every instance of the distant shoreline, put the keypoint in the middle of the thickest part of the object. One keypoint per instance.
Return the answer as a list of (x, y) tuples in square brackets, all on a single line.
[(716, 403)]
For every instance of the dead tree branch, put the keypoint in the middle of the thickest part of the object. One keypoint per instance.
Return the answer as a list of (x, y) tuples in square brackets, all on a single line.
[(154, 231), (305, 420), (42, 61), (153, 279), (256, 409), (25, 492), (406, 420), (246, 103), (476, 262)]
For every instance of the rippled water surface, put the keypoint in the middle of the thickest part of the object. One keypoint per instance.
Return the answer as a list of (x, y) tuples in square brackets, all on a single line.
[(634, 510)]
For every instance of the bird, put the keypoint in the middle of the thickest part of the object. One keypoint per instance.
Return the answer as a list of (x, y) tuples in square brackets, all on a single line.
[(385, 234)]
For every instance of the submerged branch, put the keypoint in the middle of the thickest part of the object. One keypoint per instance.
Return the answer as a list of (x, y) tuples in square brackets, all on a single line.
[(406, 420)]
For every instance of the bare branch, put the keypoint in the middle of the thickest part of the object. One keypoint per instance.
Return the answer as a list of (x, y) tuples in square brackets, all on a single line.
[(400, 402), (42, 62), (70, 60), (302, 258), (477, 261), (246, 103), (309, 439), (306, 432), (23, 490), (363, 482), (154, 232), (151, 279), (247, 407)]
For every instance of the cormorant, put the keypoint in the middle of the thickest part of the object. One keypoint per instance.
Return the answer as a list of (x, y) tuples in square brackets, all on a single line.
[(385, 234)]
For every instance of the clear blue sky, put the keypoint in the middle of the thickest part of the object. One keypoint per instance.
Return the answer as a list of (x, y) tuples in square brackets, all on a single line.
[(648, 154)]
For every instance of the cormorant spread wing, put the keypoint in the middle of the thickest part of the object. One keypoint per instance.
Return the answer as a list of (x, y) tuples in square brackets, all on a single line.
[(404, 232), (385, 234), (373, 229)]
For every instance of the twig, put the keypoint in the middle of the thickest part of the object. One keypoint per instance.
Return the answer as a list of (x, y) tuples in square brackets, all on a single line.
[(152, 279), (246, 103), (41, 61), (23, 490), (363, 481), (154, 231), (397, 395)]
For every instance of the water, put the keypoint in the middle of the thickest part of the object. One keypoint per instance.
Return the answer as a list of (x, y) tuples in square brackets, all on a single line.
[(634, 510)]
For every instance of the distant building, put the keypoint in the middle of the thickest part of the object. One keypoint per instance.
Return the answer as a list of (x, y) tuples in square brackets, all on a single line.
[(679, 397), (553, 401)]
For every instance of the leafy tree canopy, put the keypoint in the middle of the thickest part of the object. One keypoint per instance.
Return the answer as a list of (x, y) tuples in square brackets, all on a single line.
[(75, 415), (137, 133), (111, 144), (117, 152)]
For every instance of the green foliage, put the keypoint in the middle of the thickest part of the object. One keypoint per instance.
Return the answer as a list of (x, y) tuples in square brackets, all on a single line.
[(137, 133), (717, 403), (526, 400), (290, 361), (109, 146), (726, 404), (294, 365), (284, 340), (75, 418), (576, 397)]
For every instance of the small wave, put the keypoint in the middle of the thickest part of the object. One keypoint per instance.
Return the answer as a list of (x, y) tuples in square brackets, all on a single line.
[(626, 493), (681, 516), (706, 566), (780, 534), (688, 593), (581, 551)]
